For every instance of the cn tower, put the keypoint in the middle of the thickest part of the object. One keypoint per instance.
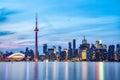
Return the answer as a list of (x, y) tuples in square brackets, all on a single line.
[(36, 41)]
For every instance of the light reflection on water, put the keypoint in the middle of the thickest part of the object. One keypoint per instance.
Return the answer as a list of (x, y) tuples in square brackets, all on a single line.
[(59, 71), (84, 70), (100, 71), (27, 72)]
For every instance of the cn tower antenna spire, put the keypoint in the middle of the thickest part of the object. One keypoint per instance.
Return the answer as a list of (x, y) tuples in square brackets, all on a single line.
[(84, 37), (36, 22)]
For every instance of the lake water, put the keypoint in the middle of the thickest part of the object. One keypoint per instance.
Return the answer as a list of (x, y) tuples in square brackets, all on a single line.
[(59, 71)]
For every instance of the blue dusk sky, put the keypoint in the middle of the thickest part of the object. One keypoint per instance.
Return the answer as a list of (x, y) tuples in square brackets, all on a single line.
[(59, 22)]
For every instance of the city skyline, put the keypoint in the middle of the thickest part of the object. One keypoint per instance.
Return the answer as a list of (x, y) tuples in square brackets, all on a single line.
[(59, 22)]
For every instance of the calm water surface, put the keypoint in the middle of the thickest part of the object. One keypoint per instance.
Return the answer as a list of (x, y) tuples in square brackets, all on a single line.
[(59, 71)]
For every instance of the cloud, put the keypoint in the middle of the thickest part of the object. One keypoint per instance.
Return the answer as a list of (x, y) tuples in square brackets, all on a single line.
[(27, 42), (5, 13), (60, 25), (8, 46), (4, 33)]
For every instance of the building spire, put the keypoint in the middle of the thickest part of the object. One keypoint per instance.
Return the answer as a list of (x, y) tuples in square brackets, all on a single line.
[(84, 41), (36, 20), (84, 37), (36, 28)]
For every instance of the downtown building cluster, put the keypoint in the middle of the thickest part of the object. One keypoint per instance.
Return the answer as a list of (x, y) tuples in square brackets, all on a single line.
[(85, 52)]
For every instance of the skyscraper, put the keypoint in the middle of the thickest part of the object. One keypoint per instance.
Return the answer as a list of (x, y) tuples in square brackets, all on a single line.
[(59, 49), (45, 48), (74, 44), (69, 45), (69, 50), (36, 41), (74, 47), (54, 47)]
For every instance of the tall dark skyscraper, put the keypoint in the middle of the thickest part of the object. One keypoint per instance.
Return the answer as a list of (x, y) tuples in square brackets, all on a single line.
[(118, 47), (69, 45), (36, 41), (59, 49), (74, 44), (69, 50), (45, 48)]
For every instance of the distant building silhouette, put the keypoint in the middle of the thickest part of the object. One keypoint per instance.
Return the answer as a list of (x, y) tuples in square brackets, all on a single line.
[(51, 54), (69, 45), (74, 44), (59, 49), (69, 50), (45, 48), (54, 47)]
